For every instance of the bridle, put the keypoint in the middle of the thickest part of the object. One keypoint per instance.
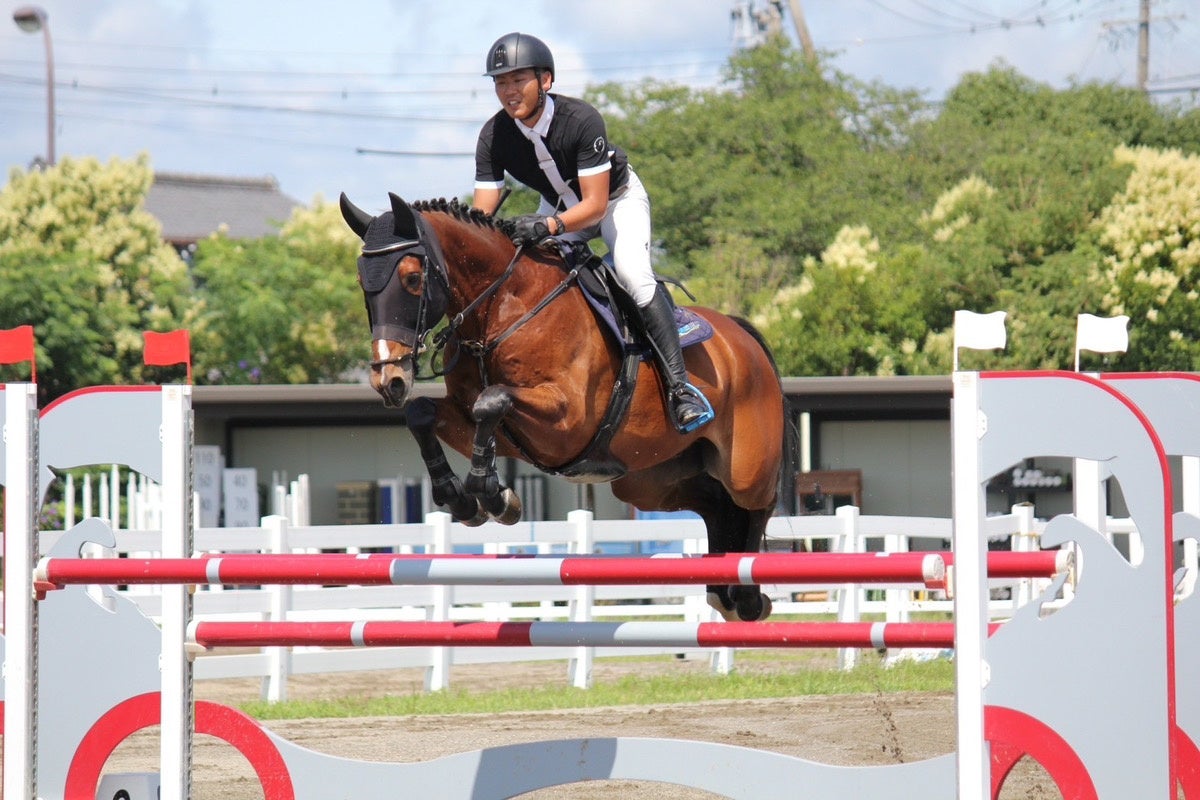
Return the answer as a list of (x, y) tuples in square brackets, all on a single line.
[(433, 267)]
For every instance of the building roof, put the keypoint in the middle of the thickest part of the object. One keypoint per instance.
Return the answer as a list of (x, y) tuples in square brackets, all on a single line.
[(190, 207)]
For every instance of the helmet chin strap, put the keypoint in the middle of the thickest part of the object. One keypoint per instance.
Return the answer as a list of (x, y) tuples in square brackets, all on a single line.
[(541, 95)]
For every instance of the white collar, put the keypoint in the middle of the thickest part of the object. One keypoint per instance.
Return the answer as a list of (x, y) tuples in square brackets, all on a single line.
[(542, 127)]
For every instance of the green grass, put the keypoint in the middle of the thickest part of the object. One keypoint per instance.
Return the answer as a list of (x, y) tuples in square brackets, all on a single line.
[(752, 682)]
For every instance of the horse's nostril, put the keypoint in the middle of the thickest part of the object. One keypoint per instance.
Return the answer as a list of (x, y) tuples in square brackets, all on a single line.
[(396, 389)]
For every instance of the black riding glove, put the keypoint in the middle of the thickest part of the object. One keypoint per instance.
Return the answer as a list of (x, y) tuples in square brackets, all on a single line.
[(530, 229)]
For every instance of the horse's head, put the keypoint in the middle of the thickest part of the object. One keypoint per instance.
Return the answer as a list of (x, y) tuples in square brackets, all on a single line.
[(404, 284)]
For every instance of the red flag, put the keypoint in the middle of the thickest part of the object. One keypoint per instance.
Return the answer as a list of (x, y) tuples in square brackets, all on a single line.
[(16, 345), (166, 349)]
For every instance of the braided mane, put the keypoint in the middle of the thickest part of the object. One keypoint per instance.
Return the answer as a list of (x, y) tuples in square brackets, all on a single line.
[(464, 213)]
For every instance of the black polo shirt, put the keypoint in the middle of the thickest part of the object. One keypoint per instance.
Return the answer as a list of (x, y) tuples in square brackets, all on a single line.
[(577, 141)]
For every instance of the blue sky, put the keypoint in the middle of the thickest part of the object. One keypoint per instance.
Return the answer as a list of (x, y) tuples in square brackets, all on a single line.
[(293, 90)]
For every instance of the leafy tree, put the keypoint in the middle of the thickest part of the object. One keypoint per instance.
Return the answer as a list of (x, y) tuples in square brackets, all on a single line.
[(849, 219), (1045, 152), (782, 157), (1150, 237), (85, 264), (281, 309), (1043, 302), (850, 314), (735, 276)]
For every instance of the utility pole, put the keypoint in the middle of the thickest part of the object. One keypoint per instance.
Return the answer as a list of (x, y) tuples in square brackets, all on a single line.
[(1118, 30), (1143, 57), (806, 42)]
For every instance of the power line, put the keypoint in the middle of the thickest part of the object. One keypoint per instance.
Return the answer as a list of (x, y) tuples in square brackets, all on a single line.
[(373, 151), (940, 30), (942, 13), (884, 7), (291, 74)]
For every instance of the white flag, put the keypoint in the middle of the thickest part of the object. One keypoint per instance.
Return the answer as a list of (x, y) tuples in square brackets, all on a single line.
[(1101, 334), (979, 331)]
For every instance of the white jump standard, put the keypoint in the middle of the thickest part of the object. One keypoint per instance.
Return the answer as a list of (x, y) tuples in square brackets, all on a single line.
[(1021, 686)]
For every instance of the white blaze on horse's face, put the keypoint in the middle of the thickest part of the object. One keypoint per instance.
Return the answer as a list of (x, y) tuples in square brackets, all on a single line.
[(391, 371), (393, 362)]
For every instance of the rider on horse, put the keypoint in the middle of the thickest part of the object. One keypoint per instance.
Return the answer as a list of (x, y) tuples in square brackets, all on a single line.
[(557, 145)]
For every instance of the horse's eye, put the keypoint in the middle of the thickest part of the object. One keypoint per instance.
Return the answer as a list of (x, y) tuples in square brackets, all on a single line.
[(412, 282)]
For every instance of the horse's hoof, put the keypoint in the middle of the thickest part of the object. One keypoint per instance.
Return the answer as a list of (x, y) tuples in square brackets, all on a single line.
[(510, 513), (478, 518), (718, 604), (754, 608)]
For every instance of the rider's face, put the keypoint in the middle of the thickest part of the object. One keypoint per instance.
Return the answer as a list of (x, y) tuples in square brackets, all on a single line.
[(518, 94)]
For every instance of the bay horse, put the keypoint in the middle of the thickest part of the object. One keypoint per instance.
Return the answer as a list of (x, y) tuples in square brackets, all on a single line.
[(530, 374)]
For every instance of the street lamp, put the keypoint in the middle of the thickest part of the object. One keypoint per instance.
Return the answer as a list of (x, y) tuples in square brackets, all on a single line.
[(32, 19)]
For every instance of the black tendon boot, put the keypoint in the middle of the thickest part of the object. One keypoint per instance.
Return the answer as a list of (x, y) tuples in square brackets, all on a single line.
[(687, 406)]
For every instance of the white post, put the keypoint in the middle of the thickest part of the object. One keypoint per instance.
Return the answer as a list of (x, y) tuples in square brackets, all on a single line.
[(1191, 504), (91, 549), (105, 513), (898, 601), (496, 610), (697, 609), (968, 425), (579, 668), (849, 596), (69, 503), (805, 441), (1090, 505), (279, 658), (178, 709), (278, 500), (114, 492), (302, 504), (1023, 542), (437, 675), (132, 503), (20, 608), (1091, 508)]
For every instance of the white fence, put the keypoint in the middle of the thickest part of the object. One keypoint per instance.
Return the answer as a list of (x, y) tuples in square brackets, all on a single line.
[(848, 531)]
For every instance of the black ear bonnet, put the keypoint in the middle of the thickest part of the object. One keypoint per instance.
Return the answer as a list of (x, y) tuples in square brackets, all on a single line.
[(382, 250), (395, 314)]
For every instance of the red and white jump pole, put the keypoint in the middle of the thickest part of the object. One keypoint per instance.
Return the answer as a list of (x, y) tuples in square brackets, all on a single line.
[(204, 635), (422, 570), (523, 570)]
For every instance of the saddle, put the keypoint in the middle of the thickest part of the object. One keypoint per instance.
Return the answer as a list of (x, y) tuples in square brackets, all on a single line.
[(614, 307), (616, 313)]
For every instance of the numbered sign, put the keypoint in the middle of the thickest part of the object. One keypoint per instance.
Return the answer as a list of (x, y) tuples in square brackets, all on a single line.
[(240, 490), (206, 479)]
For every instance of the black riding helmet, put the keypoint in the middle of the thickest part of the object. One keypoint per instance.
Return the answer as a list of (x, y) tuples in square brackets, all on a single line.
[(514, 51)]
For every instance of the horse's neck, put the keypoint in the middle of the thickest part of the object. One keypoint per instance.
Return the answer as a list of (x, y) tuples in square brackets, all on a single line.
[(477, 257)]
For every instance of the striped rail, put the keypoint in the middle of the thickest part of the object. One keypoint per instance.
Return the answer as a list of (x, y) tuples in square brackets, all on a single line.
[(424, 570), (206, 635), (521, 570)]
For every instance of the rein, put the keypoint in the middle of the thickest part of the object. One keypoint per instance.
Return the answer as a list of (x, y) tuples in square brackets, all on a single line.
[(480, 350)]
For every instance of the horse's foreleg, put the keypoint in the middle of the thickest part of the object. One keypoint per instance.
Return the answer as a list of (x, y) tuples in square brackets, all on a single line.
[(448, 491), (483, 481)]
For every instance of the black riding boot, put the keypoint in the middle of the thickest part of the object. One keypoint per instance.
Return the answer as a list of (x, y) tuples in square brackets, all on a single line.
[(688, 407)]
